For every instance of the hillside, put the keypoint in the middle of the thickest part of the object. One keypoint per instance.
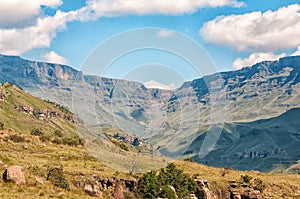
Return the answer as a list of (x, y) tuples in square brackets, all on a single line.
[(269, 145), (57, 147), (169, 120)]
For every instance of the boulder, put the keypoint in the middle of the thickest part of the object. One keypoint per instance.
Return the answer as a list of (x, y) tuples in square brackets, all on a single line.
[(92, 190), (255, 194), (15, 174)]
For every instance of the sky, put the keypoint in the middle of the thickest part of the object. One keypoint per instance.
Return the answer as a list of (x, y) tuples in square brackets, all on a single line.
[(232, 33)]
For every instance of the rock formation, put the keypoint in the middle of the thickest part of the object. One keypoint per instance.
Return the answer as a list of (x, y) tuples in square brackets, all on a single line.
[(15, 174)]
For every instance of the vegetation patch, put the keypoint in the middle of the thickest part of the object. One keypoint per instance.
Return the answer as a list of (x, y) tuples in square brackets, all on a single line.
[(120, 145), (37, 132), (168, 182), (16, 138)]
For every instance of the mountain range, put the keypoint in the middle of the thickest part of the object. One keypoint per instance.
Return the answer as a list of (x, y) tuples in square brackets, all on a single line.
[(254, 109)]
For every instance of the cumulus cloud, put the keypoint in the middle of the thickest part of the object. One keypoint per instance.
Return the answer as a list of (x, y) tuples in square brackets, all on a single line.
[(15, 41), (20, 13), (114, 8), (53, 57), (23, 25), (256, 31), (256, 58), (155, 84), (165, 33)]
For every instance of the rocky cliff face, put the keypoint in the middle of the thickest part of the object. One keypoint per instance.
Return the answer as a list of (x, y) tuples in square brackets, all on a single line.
[(169, 120)]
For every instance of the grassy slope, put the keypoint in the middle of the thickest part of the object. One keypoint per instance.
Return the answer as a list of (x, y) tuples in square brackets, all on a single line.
[(33, 153), (21, 122)]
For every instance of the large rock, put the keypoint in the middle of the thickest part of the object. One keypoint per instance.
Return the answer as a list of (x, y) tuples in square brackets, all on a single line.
[(255, 194), (15, 174), (92, 190)]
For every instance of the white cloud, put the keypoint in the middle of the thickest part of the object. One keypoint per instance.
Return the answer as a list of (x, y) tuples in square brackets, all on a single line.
[(256, 32), (255, 58), (165, 33), (114, 8), (24, 27), (15, 41), (53, 57), (297, 52), (20, 13), (155, 84)]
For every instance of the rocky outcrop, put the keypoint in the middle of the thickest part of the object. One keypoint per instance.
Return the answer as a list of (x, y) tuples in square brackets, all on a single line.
[(14, 174), (129, 139), (97, 185), (93, 190), (44, 114), (243, 191), (207, 192)]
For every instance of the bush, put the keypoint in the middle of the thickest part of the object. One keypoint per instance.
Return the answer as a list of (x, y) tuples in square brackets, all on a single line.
[(57, 141), (1, 126), (158, 184), (16, 138), (45, 138), (246, 178), (58, 133), (60, 181), (37, 132), (167, 192), (56, 175), (72, 141), (36, 170), (259, 185)]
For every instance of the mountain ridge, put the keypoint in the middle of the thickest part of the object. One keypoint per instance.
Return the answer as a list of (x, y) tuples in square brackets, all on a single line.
[(169, 120)]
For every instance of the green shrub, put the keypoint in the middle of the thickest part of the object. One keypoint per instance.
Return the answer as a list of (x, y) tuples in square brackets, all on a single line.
[(57, 141), (71, 141), (45, 138), (58, 133), (16, 138), (167, 192), (60, 181), (158, 184), (37, 132), (259, 185), (36, 170), (246, 178), (56, 176)]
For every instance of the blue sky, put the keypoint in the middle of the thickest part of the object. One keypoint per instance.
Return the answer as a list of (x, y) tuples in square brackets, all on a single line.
[(234, 33)]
